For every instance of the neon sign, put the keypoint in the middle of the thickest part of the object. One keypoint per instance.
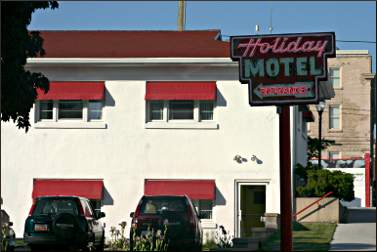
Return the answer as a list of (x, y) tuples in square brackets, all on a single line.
[(285, 68)]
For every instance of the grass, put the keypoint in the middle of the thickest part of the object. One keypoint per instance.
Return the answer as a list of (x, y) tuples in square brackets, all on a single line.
[(20, 242), (306, 237)]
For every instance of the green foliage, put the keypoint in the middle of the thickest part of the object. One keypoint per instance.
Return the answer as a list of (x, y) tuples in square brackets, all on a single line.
[(154, 240), (4, 241), (313, 146), (302, 171), (222, 238), (18, 86), (118, 240), (320, 182), (315, 181)]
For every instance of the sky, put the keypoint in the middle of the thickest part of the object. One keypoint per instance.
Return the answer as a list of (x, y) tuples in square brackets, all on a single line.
[(350, 20)]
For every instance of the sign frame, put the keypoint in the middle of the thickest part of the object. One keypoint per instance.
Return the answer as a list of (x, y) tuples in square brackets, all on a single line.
[(276, 102)]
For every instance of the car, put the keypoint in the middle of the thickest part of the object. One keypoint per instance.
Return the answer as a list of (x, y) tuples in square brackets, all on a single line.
[(60, 221), (175, 213), (8, 236)]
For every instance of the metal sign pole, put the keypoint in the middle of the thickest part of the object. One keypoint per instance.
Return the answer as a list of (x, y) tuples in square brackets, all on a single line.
[(285, 179)]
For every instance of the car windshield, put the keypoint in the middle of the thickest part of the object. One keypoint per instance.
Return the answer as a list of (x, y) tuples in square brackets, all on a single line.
[(56, 206), (156, 205)]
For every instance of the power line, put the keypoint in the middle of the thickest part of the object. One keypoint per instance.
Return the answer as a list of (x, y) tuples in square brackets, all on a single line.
[(356, 41)]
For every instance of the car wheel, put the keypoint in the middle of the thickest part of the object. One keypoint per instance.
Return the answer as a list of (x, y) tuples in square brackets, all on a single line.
[(36, 248)]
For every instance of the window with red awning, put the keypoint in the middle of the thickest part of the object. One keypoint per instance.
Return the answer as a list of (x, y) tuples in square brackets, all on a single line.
[(88, 188), (194, 189), (73, 90), (180, 90)]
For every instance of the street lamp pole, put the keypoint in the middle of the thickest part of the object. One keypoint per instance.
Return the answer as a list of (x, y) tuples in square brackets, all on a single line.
[(320, 107)]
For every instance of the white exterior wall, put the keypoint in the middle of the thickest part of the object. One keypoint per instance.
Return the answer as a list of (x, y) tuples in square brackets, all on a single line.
[(126, 153)]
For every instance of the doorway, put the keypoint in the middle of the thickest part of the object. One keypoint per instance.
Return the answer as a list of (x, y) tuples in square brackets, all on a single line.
[(251, 207)]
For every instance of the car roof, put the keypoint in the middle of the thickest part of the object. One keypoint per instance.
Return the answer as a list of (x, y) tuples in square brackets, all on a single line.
[(61, 197), (167, 196)]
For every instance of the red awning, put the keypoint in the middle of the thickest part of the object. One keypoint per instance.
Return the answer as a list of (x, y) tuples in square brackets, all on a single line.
[(194, 189), (88, 188), (308, 116), (183, 90), (73, 90)]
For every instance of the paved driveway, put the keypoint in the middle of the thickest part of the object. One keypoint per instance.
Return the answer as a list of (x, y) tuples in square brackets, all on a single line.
[(354, 237)]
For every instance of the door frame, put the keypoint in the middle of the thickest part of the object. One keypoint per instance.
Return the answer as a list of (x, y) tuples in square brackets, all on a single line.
[(237, 199)]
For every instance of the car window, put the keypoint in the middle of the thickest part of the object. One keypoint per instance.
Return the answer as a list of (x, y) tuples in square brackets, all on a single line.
[(87, 208), (155, 205), (56, 206)]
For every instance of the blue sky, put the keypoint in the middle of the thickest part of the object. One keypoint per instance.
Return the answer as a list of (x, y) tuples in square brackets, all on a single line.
[(350, 20)]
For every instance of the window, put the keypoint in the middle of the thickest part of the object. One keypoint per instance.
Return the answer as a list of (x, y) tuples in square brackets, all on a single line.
[(180, 110), (334, 155), (203, 208), (334, 117), (156, 110), (56, 206), (206, 110), (95, 110), (46, 109), (74, 112), (87, 208), (334, 77), (70, 109)]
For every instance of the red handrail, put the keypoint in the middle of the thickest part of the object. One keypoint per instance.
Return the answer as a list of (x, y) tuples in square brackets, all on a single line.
[(302, 210)]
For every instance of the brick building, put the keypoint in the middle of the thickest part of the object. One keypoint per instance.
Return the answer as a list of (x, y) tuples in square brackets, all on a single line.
[(346, 118)]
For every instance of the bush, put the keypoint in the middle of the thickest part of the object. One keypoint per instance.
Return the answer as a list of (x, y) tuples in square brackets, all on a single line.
[(320, 182), (118, 241)]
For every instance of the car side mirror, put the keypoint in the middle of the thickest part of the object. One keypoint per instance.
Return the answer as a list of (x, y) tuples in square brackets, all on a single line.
[(132, 214), (10, 224), (100, 215), (201, 216)]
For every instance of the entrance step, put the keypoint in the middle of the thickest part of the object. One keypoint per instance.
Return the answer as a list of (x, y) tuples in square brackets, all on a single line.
[(261, 233), (361, 215), (249, 244)]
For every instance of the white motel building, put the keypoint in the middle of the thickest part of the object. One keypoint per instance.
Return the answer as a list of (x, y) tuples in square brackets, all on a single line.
[(130, 113)]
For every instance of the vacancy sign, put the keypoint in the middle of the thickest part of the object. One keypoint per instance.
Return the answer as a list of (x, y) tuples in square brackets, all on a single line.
[(283, 69)]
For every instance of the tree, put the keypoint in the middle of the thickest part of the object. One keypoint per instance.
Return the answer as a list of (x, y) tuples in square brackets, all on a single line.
[(313, 146), (19, 86), (314, 181)]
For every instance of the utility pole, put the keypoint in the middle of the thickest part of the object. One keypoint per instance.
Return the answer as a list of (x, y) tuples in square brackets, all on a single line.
[(181, 15)]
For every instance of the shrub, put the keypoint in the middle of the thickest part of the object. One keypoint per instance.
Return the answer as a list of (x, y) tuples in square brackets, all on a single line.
[(321, 181), (152, 241), (222, 238), (118, 241)]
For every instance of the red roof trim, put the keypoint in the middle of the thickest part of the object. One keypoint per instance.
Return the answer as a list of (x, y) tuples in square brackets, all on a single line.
[(123, 44)]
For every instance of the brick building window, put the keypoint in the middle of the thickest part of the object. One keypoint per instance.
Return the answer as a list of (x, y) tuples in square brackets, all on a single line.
[(334, 77), (334, 155), (334, 117)]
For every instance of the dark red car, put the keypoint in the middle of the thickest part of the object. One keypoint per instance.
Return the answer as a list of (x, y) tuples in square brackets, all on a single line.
[(176, 214)]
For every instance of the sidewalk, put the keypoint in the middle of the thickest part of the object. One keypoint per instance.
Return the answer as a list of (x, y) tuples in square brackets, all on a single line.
[(354, 237)]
